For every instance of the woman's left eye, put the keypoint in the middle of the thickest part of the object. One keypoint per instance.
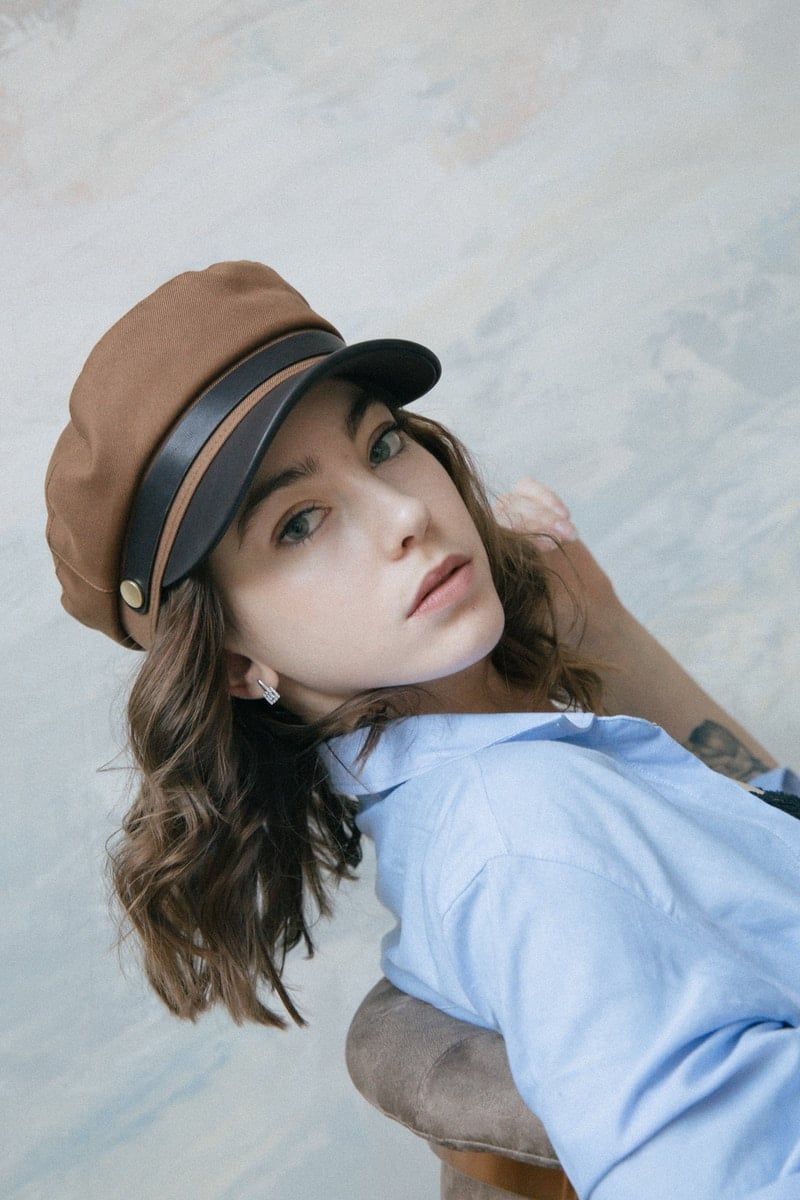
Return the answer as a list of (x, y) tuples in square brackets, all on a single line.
[(391, 429), (300, 516)]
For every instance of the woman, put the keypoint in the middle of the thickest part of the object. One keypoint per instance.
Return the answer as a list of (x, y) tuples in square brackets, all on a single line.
[(248, 500)]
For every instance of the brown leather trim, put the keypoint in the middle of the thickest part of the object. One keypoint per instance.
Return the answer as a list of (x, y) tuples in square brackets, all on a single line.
[(141, 626), (517, 1178)]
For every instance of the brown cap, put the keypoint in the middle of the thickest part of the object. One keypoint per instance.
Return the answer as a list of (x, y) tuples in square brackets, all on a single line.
[(170, 416)]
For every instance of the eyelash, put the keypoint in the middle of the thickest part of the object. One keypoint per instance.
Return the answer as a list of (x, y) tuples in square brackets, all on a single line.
[(398, 426)]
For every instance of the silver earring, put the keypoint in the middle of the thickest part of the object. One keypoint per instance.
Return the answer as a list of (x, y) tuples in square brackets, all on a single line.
[(269, 692)]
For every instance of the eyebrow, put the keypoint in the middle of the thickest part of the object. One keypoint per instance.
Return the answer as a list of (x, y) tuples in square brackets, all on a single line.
[(262, 489)]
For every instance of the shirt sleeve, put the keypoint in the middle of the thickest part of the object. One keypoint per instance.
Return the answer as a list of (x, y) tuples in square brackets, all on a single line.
[(779, 779), (658, 1064)]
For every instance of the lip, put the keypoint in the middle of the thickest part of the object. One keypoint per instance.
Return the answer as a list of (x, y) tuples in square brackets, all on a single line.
[(435, 577)]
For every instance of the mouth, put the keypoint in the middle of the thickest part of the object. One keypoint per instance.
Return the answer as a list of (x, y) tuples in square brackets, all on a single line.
[(435, 589)]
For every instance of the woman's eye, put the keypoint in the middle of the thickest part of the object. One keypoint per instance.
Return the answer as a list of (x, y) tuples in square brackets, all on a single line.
[(298, 518), (301, 516), (391, 429)]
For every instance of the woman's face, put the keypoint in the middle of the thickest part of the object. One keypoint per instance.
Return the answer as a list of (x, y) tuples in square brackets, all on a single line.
[(321, 597)]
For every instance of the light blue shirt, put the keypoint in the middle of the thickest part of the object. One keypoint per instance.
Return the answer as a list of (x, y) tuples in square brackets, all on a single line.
[(627, 918)]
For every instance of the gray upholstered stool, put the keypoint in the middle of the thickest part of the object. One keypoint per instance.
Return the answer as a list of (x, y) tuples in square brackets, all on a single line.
[(449, 1082)]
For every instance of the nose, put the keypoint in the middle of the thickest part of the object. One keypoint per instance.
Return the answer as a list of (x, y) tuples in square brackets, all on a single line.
[(397, 515)]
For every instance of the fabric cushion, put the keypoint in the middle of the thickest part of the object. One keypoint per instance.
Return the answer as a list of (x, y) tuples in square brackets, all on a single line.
[(443, 1078)]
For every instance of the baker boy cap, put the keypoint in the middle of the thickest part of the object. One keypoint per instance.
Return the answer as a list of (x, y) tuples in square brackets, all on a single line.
[(170, 417)]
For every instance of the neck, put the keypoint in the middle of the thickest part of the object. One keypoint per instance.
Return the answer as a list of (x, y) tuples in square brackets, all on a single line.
[(481, 689)]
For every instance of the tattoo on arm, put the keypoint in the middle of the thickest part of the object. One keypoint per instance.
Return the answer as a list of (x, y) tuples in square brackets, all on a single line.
[(721, 750)]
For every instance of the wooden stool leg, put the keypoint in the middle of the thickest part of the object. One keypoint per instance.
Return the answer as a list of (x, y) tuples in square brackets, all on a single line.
[(489, 1176), (455, 1186), (568, 1192)]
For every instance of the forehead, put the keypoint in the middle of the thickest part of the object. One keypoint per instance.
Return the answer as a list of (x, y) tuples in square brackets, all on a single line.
[(331, 407), (325, 402)]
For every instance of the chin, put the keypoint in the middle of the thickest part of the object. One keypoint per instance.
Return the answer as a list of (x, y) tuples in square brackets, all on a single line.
[(473, 649)]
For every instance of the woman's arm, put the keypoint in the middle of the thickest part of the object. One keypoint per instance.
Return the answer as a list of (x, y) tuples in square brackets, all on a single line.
[(651, 684), (661, 1062), (645, 681)]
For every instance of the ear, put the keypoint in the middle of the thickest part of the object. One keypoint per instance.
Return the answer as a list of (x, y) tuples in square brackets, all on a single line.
[(243, 675)]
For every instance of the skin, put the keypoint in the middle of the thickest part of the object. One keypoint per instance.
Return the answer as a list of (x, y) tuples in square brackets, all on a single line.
[(386, 518), (323, 620)]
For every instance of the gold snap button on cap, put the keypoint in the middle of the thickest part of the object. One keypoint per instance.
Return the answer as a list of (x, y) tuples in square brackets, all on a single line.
[(131, 593)]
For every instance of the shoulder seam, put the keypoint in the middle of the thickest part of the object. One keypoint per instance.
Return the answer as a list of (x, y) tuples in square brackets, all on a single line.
[(490, 807), (473, 761), (473, 878)]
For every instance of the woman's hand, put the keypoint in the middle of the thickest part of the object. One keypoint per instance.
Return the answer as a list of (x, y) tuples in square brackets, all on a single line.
[(640, 678), (535, 508)]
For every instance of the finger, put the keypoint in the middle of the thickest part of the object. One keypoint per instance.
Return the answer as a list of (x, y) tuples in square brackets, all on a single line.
[(527, 485), (533, 515), (537, 509), (553, 500), (523, 510), (509, 513)]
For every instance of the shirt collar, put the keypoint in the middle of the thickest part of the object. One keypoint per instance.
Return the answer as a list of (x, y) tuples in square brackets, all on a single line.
[(409, 746)]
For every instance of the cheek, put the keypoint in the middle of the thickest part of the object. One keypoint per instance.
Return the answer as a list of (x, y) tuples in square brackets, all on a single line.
[(440, 491), (314, 607), (343, 605)]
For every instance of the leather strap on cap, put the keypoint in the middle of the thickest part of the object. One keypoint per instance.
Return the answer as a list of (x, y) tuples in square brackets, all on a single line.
[(162, 480)]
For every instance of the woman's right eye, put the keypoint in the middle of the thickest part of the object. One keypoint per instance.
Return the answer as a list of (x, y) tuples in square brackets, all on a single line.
[(297, 517)]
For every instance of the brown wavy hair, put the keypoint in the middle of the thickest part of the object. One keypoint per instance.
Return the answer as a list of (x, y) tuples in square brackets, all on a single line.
[(234, 827)]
